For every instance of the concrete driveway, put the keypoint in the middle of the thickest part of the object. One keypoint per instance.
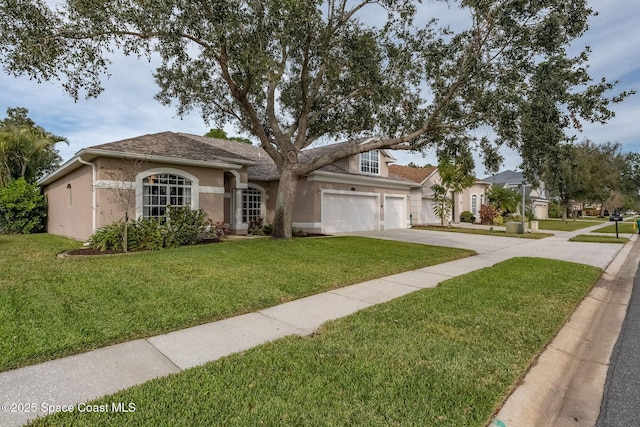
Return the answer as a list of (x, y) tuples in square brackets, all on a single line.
[(555, 247)]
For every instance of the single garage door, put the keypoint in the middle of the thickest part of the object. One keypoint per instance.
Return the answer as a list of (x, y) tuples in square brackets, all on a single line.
[(349, 211), (395, 212)]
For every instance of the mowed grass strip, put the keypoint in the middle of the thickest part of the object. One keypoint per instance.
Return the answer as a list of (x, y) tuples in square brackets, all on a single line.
[(447, 356), (598, 239), (52, 307)]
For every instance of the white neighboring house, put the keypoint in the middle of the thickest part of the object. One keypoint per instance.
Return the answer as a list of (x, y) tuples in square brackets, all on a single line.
[(536, 198)]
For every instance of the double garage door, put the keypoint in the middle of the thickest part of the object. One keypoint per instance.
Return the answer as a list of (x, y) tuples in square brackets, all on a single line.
[(349, 211)]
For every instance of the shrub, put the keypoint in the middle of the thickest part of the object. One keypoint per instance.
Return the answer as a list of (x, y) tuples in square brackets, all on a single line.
[(219, 229), (256, 227), (186, 227), (267, 229), (109, 237), (488, 214), (182, 227), (498, 220), (147, 234), (555, 210), (467, 216), (22, 207)]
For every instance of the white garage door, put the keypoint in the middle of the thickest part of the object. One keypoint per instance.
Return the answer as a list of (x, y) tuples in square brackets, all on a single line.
[(349, 211), (395, 212)]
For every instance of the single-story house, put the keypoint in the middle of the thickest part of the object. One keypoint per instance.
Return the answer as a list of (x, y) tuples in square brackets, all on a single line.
[(231, 181), (536, 197), (422, 201)]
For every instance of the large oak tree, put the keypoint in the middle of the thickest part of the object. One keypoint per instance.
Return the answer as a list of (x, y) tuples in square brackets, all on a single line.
[(295, 72)]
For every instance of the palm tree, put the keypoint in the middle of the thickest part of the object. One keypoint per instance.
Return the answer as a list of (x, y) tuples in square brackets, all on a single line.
[(503, 199), (26, 152)]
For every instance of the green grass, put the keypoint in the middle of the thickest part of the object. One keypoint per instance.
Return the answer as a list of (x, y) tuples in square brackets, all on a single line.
[(482, 231), (598, 239), (559, 225), (439, 357), (52, 307), (623, 227)]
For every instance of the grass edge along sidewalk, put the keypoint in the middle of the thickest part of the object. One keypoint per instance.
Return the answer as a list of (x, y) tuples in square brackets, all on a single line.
[(448, 356), (52, 307)]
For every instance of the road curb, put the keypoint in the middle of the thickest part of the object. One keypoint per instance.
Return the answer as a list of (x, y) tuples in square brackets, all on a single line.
[(565, 384)]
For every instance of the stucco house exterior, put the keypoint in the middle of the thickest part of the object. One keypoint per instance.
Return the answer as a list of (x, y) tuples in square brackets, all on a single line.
[(422, 199), (536, 198), (231, 181)]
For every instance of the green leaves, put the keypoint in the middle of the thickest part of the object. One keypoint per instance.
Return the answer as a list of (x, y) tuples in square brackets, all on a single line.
[(22, 208)]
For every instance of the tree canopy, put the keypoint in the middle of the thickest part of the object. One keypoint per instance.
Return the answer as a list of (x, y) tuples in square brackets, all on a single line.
[(293, 72), (26, 149)]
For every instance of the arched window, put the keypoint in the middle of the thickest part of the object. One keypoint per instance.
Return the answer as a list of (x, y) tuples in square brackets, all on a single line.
[(162, 190), (474, 205), (251, 204)]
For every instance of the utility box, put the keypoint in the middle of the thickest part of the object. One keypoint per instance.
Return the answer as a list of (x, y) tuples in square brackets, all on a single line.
[(515, 228), (534, 226)]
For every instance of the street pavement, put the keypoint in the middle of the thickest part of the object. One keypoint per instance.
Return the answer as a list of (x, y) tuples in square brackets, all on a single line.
[(621, 401), (49, 386)]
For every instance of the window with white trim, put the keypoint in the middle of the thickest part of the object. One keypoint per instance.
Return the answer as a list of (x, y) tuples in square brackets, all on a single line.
[(370, 162), (251, 204), (474, 204), (162, 190)]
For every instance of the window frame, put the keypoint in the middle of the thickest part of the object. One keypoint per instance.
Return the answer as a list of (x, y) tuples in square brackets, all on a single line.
[(370, 162), (250, 213), (193, 198)]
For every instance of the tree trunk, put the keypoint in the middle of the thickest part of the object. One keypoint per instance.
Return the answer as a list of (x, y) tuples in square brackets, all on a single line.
[(565, 209), (283, 220)]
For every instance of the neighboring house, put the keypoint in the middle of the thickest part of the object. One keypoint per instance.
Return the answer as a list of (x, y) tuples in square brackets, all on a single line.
[(231, 181), (537, 198), (422, 200)]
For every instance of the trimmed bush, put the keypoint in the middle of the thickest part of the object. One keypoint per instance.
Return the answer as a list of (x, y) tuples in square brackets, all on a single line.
[(467, 216), (22, 207), (186, 227), (182, 226)]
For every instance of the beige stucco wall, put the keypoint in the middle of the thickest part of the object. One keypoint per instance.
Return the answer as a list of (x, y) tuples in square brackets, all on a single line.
[(115, 172), (464, 200), (113, 177), (352, 164), (71, 218)]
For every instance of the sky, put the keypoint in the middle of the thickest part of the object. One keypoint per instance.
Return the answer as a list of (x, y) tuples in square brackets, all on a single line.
[(127, 107)]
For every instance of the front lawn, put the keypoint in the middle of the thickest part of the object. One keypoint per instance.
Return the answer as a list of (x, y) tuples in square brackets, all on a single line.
[(52, 307), (447, 356), (559, 225), (623, 227)]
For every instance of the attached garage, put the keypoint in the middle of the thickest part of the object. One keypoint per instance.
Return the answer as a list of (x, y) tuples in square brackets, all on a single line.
[(345, 211), (395, 212)]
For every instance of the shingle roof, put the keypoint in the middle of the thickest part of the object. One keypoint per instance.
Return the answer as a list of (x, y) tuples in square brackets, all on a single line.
[(506, 177), (170, 144), (412, 174), (195, 147)]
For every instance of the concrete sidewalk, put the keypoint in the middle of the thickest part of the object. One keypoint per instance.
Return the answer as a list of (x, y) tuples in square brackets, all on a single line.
[(48, 386)]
